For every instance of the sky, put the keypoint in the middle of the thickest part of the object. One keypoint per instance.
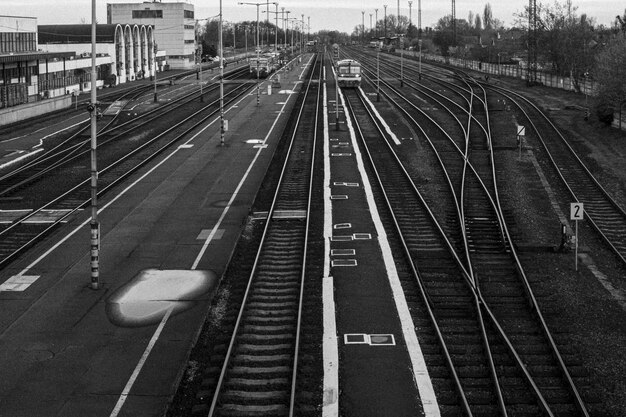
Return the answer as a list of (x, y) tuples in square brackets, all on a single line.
[(341, 15)]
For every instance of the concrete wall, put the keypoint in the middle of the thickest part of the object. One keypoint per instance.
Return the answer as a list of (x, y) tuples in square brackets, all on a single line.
[(26, 111)]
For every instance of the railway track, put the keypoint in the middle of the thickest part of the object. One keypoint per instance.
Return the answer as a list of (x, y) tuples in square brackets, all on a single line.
[(111, 129), (515, 367), (56, 198), (259, 370), (604, 214)]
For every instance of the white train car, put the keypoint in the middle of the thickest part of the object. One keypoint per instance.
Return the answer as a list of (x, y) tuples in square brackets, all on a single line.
[(348, 73)]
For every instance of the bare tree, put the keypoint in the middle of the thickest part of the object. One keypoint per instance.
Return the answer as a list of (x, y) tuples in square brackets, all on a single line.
[(488, 17)]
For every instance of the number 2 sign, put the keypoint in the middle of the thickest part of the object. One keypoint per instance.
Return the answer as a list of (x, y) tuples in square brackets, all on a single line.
[(576, 211)]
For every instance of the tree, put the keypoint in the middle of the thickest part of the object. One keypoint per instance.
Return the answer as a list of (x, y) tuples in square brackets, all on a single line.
[(620, 21), (478, 25), (443, 37), (565, 41), (488, 17), (610, 75)]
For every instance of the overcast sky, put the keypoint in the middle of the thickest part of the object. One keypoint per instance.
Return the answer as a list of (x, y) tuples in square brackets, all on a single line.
[(341, 15)]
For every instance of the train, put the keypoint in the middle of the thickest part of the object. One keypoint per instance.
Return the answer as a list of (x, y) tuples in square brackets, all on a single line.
[(267, 63), (348, 73)]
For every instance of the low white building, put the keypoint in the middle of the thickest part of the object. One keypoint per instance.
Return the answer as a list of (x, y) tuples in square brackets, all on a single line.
[(124, 52)]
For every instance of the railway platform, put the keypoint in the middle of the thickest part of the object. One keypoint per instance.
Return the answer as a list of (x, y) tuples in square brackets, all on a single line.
[(166, 238)]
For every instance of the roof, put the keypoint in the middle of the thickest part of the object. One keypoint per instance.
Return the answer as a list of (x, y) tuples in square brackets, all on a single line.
[(78, 34), (33, 56)]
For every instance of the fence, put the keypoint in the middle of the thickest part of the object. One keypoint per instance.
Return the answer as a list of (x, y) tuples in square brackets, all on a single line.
[(517, 71)]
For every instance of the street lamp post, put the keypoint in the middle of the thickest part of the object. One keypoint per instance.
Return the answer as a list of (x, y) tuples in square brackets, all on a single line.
[(410, 3), (286, 29), (282, 9), (94, 224), (376, 15), (419, 42), (276, 37), (234, 39), (378, 76), (276, 33), (362, 26), (419, 33), (258, 47), (376, 10), (398, 32), (199, 58), (221, 40), (246, 43), (385, 6)]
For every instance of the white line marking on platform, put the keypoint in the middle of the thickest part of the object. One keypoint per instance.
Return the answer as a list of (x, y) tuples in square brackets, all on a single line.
[(142, 361), (355, 339), (330, 350), (343, 226), (341, 238), (344, 262), (342, 252)]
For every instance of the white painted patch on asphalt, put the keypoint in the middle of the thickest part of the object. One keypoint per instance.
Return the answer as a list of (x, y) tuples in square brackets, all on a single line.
[(380, 118), (18, 283)]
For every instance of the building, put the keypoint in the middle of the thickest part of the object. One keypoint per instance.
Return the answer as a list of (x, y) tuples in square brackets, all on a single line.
[(123, 52), (22, 66), (174, 27)]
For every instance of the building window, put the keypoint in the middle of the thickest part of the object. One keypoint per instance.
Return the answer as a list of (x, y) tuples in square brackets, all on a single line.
[(17, 42), (147, 14), (188, 14)]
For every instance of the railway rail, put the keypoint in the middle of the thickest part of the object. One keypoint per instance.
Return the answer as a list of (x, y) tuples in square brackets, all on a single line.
[(111, 128), (604, 214), (497, 301), (61, 196), (259, 372)]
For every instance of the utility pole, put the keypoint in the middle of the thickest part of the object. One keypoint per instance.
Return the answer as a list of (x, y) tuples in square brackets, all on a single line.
[(376, 10), (419, 17), (531, 76), (385, 6), (398, 18), (222, 124), (93, 109), (410, 3), (362, 26), (453, 23)]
